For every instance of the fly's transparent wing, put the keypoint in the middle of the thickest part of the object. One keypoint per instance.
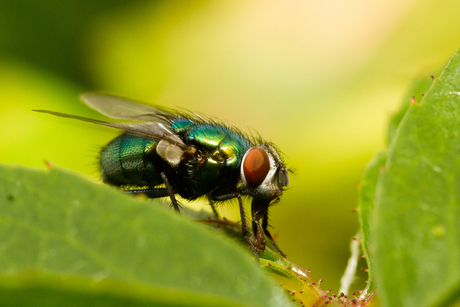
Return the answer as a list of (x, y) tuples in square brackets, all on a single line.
[(153, 130), (120, 107)]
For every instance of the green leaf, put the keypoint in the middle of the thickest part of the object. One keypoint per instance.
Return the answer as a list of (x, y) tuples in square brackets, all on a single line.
[(33, 289), (415, 94), (366, 207), (370, 177), (54, 222), (415, 248)]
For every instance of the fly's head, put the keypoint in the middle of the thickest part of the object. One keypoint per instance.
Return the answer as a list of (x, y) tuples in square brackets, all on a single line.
[(263, 173)]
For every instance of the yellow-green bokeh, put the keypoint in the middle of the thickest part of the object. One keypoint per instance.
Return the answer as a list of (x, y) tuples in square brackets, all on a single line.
[(318, 78)]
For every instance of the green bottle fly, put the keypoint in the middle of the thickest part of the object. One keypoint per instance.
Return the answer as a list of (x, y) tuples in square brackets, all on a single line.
[(167, 152)]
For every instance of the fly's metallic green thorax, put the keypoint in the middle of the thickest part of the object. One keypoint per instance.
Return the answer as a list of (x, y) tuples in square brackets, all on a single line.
[(225, 144), (163, 153), (220, 154)]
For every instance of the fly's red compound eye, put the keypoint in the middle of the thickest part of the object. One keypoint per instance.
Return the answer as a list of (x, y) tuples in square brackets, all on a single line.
[(256, 166)]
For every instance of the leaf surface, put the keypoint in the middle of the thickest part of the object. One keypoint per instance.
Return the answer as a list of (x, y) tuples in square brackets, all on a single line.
[(366, 207), (415, 248), (54, 222)]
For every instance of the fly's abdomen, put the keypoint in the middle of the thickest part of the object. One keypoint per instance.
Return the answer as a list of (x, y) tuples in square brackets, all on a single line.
[(129, 161)]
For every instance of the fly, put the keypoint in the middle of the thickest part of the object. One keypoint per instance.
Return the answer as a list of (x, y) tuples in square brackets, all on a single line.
[(191, 156)]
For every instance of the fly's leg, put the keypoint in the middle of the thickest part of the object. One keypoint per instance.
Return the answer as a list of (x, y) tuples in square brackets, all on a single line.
[(150, 193), (259, 234), (269, 236), (155, 193), (245, 229), (213, 207), (257, 213), (170, 192)]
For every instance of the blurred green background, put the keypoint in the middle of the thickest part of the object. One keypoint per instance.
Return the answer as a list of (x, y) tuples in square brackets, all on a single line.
[(318, 78)]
